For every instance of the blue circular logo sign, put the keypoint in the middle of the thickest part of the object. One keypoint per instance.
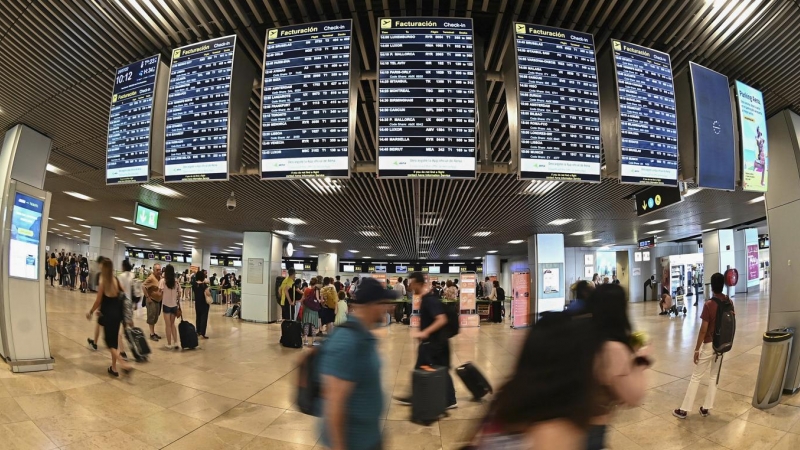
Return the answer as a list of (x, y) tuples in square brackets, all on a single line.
[(650, 202)]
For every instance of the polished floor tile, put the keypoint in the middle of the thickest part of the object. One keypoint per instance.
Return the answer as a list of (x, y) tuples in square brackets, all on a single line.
[(237, 391)]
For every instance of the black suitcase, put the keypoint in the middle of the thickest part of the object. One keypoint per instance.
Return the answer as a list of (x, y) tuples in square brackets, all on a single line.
[(187, 334), (477, 384), (137, 342), (428, 392), (291, 334)]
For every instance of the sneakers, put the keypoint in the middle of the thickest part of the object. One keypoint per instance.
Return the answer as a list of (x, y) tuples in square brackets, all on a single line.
[(453, 406), (154, 337), (92, 343), (679, 413), (405, 401), (704, 412)]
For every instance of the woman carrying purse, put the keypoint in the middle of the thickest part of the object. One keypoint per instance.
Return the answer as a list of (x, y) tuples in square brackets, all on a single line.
[(311, 307)]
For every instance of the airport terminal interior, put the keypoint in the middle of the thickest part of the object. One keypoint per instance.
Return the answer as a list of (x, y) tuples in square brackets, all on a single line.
[(519, 147)]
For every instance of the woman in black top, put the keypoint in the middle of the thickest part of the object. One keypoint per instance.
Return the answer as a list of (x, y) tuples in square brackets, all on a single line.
[(114, 311), (200, 306)]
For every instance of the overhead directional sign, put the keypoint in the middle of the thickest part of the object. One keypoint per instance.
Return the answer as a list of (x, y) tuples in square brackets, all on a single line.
[(656, 198), (146, 216)]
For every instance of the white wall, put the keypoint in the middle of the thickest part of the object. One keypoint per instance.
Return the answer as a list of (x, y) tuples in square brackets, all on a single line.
[(653, 267), (56, 243)]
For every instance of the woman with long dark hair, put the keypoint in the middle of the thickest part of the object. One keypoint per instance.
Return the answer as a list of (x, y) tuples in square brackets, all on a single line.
[(115, 309), (170, 304), (201, 308), (620, 361)]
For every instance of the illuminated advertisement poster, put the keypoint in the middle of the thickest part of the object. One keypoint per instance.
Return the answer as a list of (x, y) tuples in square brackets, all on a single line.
[(467, 294), (752, 263), (550, 281), (26, 225), (753, 135), (521, 299)]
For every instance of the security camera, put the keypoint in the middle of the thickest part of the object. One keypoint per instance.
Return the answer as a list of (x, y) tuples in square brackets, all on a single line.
[(231, 203)]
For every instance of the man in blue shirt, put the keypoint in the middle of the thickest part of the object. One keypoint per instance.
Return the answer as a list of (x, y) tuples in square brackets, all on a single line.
[(350, 368)]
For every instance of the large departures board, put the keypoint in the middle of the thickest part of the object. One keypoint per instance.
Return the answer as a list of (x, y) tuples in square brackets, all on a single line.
[(197, 138), (559, 104), (647, 121), (426, 98), (306, 112), (133, 123)]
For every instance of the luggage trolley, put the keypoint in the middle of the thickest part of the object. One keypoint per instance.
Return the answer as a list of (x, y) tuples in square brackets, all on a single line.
[(680, 302)]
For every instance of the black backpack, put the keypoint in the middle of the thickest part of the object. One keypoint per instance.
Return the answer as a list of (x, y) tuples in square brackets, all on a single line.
[(724, 327)]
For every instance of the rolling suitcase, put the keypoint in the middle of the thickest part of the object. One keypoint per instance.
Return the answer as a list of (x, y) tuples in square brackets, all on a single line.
[(428, 387), (474, 380), (137, 342), (291, 334), (187, 334)]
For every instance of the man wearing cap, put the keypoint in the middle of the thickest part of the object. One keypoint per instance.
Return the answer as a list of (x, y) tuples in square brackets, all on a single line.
[(350, 369)]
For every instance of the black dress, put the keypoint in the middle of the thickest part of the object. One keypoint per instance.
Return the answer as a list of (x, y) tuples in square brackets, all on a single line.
[(111, 309), (201, 307)]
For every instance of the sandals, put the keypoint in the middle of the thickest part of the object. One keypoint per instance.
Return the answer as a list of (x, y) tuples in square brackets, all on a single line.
[(112, 373)]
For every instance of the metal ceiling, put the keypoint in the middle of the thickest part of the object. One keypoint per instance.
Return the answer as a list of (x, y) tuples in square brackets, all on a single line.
[(58, 57)]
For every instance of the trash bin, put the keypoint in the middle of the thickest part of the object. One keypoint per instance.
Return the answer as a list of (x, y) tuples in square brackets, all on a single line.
[(774, 364)]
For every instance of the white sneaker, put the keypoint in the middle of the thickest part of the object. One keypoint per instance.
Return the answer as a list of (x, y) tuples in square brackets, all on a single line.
[(168, 346)]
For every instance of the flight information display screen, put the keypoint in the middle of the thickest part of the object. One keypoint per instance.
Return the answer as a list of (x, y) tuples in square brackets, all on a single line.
[(716, 148), (128, 144), (559, 104), (306, 101), (196, 147), (648, 122), (426, 98)]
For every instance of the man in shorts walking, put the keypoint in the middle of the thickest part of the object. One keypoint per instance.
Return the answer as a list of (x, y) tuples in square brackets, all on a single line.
[(153, 302)]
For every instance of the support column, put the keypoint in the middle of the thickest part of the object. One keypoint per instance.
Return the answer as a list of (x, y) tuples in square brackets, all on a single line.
[(101, 243), (201, 258), (491, 266), (783, 209), (718, 256), (328, 264), (546, 260), (261, 264)]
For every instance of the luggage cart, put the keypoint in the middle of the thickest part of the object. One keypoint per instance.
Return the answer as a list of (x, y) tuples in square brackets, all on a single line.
[(680, 303)]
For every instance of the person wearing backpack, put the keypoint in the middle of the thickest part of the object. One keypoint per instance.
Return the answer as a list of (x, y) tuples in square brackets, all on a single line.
[(714, 340)]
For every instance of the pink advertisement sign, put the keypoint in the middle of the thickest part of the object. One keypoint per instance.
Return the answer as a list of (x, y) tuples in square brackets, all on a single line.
[(752, 262), (521, 299)]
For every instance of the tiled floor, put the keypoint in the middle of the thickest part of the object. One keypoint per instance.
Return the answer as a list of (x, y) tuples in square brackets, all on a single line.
[(236, 391)]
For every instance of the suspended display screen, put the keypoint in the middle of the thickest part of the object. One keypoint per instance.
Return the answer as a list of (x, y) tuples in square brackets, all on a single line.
[(649, 131), (305, 111), (129, 123), (753, 138), (559, 104), (716, 148), (196, 147), (426, 98)]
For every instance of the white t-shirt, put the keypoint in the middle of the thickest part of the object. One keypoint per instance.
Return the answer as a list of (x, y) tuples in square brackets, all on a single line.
[(125, 280), (170, 298), (399, 287)]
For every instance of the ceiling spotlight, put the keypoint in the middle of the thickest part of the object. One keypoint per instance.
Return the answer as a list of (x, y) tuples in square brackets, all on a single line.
[(76, 218), (132, 228), (481, 233), (333, 241), (188, 230), (477, 257), (708, 229), (54, 169), (139, 234), (383, 247), (580, 233), (719, 221), (756, 200), (559, 222), (185, 236), (369, 233), (492, 251), (86, 226), (656, 222), (464, 247), (306, 246), (121, 219), (354, 251), (292, 220), (284, 232), (367, 257), (80, 196), (391, 254), (516, 241), (454, 255), (163, 190), (189, 219), (655, 231)]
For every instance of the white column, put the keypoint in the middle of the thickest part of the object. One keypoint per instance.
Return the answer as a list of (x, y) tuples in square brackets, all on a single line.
[(740, 258), (101, 243), (328, 264), (201, 258), (718, 256), (546, 260), (491, 266), (261, 263)]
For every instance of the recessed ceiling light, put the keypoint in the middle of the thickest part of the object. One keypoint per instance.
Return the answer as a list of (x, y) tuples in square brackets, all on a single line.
[(55, 229), (132, 228), (284, 232), (383, 247), (756, 200), (718, 221), (157, 243), (516, 241), (120, 219), (189, 219), (492, 251), (292, 220), (655, 231), (592, 240), (63, 225), (391, 254), (430, 222), (454, 255), (239, 243), (333, 241), (223, 252), (481, 233), (55, 170), (540, 187), (354, 251), (313, 256), (76, 218), (369, 233), (77, 231), (306, 246), (148, 240), (80, 196), (580, 233), (163, 190), (477, 257), (708, 229), (85, 226), (464, 247), (561, 221), (656, 222), (185, 236), (367, 257), (188, 230), (139, 234), (691, 192)]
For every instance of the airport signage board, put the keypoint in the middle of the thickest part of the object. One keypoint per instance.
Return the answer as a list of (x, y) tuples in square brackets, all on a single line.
[(145, 216), (308, 101), (649, 242), (559, 105), (647, 117), (426, 98), (716, 147), (130, 130), (656, 198), (26, 227), (752, 138), (198, 104)]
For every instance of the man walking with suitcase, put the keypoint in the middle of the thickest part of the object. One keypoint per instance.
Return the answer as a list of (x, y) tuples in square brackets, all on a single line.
[(434, 347)]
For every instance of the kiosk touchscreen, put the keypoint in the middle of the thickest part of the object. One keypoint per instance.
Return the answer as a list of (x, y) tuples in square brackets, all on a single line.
[(26, 224)]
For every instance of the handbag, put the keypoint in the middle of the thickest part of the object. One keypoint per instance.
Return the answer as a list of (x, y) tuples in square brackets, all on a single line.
[(209, 298)]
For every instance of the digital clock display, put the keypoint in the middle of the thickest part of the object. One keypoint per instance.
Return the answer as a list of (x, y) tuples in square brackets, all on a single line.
[(306, 101), (129, 123), (196, 147), (426, 98)]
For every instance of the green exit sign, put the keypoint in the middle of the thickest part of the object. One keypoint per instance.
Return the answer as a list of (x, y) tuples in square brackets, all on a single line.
[(146, 216)]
